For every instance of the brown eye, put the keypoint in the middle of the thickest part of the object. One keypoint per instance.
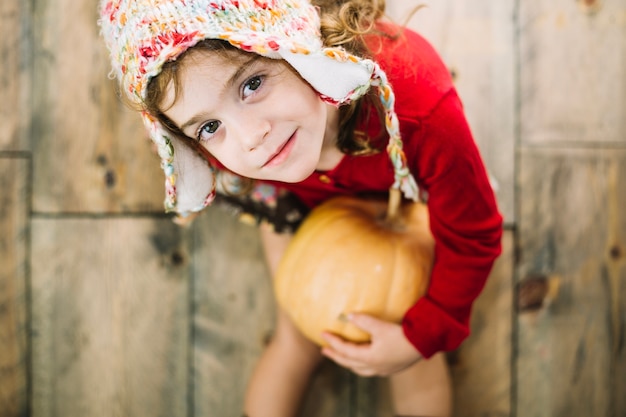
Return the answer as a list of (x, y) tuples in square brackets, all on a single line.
[(208, 129), (251, 85)]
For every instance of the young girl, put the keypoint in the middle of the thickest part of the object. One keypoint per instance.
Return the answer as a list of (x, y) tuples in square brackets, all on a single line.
[(273, 106)]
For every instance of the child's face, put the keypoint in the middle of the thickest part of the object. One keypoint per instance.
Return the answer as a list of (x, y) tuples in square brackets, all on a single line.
[(257, 117)]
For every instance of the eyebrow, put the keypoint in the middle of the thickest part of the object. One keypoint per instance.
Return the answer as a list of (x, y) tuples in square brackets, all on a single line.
[(231, 81)]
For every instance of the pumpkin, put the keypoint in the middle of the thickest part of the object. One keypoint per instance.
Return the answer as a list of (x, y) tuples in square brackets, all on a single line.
[(355, 255)]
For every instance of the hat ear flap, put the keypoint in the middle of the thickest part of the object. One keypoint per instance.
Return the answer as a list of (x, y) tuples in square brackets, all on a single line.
[(332, 72), (195, 178), (189, 178)]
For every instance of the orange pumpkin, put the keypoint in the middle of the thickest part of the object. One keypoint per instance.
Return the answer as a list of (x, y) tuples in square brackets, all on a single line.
[(348, 257)]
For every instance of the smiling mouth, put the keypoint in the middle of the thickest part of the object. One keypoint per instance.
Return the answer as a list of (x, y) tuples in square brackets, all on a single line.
[(282, 153)]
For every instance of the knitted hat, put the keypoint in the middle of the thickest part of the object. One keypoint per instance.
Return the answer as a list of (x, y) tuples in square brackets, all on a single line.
[(142, 35)]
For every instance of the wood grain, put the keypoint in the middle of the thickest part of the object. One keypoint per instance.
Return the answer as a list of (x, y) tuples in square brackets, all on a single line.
[(14, 74), (13, 287), (110, 318), (481, 372), (233, 311), (572, 66), (91, 152), (572, 233)]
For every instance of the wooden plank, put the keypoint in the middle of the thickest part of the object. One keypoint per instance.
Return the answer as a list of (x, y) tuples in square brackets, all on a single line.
[(234, 317), (476, 40), (572, 283), (572, 66), (481, 367), (331, 393), (13, 288), (233, 311), (79, 122), (109, 317), (13, 80), (373, 398)]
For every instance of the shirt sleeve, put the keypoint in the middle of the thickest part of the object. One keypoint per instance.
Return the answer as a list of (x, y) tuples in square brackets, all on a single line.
[(465, 223)]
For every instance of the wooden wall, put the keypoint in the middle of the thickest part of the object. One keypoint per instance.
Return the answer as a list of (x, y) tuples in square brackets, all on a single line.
[(572, 208), (109, 309)]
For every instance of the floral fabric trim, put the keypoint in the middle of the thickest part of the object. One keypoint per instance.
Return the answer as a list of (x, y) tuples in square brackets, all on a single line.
[(266, 203)]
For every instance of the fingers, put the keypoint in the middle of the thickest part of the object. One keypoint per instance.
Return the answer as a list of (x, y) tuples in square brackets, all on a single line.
[(347, 355), (341, 350), (356, 352), (389, 351)]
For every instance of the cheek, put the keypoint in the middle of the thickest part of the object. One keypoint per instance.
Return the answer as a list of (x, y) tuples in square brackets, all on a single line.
[(304, 98), (314, 111), (315, 102), (232, 159), (224, 153)]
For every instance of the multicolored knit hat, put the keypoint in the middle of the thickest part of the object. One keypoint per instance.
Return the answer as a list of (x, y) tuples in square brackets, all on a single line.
[(142, 35)]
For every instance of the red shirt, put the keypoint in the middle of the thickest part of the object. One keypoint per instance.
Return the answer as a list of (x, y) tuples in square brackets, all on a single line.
[(446, 163)]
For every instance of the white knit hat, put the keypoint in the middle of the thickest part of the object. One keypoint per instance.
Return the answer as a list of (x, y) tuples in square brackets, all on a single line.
[(142, 35)]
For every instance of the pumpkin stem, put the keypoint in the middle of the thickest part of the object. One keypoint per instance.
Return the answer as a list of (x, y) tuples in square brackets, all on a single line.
[(393, 208)]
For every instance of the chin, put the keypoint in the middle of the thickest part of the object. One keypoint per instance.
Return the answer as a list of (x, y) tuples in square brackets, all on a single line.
[(295, 176), (292, 179)]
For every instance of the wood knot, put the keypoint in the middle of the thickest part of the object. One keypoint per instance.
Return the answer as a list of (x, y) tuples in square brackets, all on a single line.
[(531, 292), (536, 291), (615, 252), (110, 178), (177, 258), (102, 160)]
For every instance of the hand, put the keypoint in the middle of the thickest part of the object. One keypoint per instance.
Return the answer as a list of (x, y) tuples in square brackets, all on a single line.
[(388, 352)]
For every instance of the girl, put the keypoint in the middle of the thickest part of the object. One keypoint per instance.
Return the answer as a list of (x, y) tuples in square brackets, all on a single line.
[(274, 106)]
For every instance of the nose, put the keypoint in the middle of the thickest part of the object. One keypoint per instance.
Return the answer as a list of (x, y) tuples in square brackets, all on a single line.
[(253, 133)]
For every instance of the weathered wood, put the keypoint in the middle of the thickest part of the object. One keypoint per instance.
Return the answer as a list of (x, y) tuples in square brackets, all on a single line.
[(571, 236), (331, 393), (234, 317), (110, 318), (476, 40), (572, 283), (233, 311), (372, 398), (14, 86), (572, 66), (14, 208), (91, 152), (481, 371), (13, 287)]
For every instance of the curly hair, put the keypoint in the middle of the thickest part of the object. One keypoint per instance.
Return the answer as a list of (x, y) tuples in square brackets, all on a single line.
[(343, 23)]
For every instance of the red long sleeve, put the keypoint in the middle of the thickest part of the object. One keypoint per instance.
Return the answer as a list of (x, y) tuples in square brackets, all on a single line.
[(466, 225)]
